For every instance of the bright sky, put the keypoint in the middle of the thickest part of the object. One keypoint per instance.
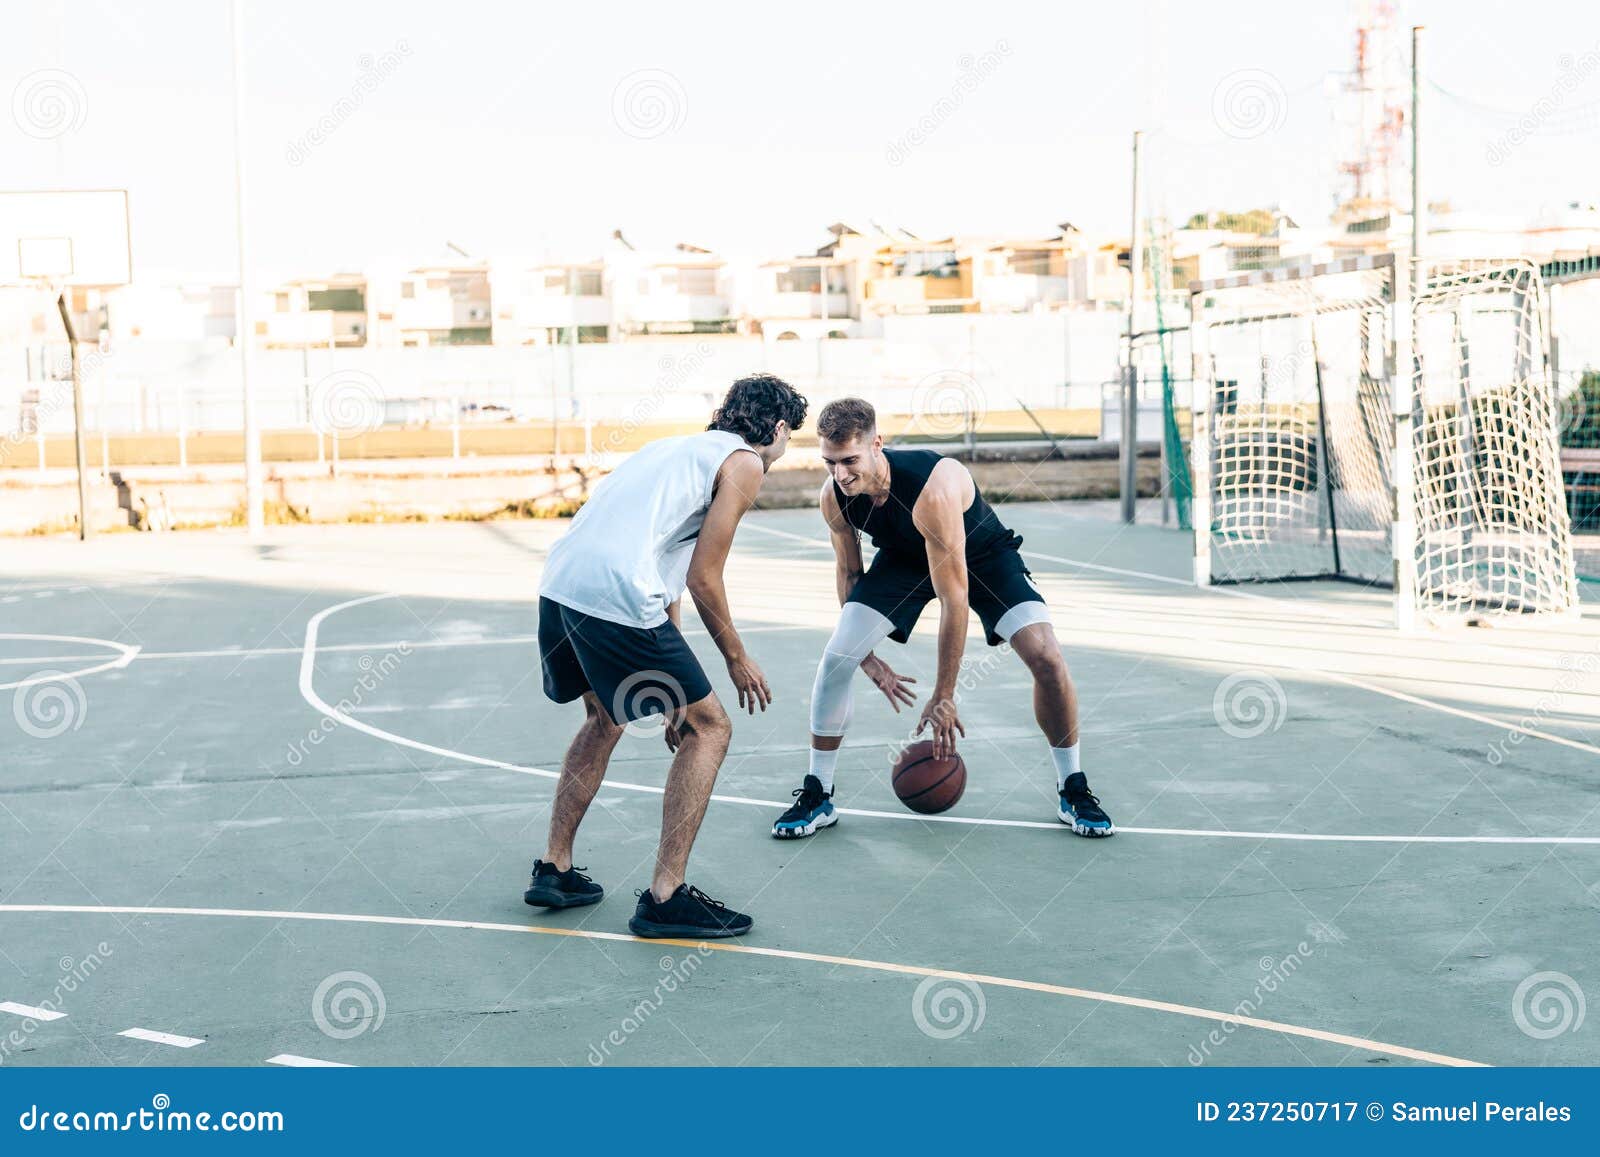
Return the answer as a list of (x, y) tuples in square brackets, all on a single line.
[(503, 126)]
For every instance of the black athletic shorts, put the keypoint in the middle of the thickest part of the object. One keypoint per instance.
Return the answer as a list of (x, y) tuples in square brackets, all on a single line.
[(898, 587), (633, 671)]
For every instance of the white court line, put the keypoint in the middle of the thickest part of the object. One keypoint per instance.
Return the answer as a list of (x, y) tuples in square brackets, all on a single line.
[(1117, 570), (27, 1010), (1227, 1018), (162, 1038), (1305, 668), (295, 1062), (1354, 681), (413, 644), (122, 660), (309, 693)]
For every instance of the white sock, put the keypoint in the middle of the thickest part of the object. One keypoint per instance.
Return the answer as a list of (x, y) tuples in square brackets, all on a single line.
[(1066, 761), (822, 765)]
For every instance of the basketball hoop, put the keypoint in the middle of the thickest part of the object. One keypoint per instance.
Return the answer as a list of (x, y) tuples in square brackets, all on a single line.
[(58, 240)]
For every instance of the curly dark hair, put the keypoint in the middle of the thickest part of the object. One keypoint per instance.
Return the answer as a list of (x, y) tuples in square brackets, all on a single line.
[(754, 405)]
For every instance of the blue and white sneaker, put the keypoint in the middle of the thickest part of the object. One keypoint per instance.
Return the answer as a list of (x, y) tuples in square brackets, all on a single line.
[(812, 810), (1081, 811)]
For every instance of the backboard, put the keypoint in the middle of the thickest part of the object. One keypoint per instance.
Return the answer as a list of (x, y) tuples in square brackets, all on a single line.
[(65, 237)]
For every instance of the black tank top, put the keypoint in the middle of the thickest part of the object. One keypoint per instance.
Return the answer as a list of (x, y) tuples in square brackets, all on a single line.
[(890, 524)]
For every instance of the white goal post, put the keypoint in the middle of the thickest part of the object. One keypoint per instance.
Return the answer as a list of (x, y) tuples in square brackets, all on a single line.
[(1314, 459)]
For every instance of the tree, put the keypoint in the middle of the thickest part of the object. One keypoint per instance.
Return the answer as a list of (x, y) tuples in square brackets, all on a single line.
[(1580, 413), (1258, 221)]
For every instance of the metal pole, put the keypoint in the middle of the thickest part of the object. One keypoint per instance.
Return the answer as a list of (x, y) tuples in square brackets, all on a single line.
[(969, 427), (822, 281), (1409, 285), (1130, 381), (254, 518), (1201, 402), (572, 364), (555, 411), (1419, 207), (77, 418)]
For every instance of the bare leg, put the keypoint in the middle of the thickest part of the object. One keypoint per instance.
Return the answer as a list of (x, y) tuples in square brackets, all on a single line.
[(705, 733), (581, 773), (1055, 699)]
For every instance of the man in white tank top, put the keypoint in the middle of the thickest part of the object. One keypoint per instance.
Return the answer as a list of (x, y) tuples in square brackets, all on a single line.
[(662, 522)]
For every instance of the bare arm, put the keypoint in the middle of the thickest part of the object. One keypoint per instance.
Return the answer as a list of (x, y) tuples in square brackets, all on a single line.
[(738, 483), (848, 567), (938, 515)]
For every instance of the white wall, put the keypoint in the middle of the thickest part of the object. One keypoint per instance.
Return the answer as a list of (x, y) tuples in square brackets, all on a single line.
[(1045, 360)]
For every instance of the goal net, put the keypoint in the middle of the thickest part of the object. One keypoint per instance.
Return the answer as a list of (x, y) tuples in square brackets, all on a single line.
[(1492, 534), (1300, 422), (1296, 436)]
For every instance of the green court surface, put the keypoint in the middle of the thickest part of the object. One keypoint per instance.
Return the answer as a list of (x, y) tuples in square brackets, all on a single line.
[(280, 799)]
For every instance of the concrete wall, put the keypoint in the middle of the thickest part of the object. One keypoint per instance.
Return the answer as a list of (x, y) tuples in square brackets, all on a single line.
[(217, 497)]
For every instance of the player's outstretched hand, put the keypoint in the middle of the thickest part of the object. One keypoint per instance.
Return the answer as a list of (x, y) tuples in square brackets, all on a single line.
[(673, 736), (893, 686), (751, 683), (940, 714)]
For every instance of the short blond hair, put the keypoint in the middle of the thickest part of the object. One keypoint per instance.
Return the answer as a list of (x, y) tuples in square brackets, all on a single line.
[(846, 419)]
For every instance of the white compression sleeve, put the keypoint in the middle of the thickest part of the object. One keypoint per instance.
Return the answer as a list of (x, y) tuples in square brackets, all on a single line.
[(1022, 615), (860, 629)]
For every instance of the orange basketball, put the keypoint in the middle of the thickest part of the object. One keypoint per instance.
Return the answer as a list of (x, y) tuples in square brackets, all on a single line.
[(927, 783)]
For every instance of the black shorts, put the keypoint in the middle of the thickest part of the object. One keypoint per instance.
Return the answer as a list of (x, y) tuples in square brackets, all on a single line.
[(899, 587), (633, 671)]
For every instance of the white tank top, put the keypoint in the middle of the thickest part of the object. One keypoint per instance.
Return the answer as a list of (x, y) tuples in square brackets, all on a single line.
[(626, 556)]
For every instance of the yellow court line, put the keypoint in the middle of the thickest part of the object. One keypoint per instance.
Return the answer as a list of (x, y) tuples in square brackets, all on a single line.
[(1223, 1018)]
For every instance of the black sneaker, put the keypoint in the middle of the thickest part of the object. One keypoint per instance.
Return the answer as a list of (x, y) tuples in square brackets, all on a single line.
[(811, 811), (553, 888), (687, 914), (1081, 809)]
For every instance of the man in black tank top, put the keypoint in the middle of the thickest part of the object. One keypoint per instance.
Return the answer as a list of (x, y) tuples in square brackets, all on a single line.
[(936, 538)]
